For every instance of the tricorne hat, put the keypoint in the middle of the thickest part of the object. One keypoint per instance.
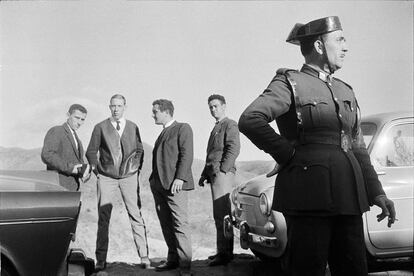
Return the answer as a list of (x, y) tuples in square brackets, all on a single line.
[(315, 27)]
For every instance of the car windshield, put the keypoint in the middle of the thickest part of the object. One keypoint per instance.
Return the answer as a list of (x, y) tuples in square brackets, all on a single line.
[(368, 131)]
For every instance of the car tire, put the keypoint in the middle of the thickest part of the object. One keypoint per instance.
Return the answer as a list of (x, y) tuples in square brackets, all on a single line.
[(7, 271), (76, 270)]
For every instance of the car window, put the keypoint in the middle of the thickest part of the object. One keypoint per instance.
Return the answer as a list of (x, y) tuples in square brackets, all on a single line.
[(368, 131), (395, 147)]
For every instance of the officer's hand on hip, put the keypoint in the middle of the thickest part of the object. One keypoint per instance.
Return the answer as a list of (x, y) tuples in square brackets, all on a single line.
[(387, 207), (177, 186), (275, 170)]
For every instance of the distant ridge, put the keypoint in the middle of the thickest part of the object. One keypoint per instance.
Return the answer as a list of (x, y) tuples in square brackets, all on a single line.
[(15, 158), (120, 243)]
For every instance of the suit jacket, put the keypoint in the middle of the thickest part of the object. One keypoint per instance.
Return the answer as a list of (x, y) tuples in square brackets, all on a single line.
[(105, 141), (172, 156), (60, 154), (223, 147)]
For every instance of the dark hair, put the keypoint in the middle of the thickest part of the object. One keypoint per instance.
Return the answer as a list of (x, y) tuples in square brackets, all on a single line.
[(217, 97), (164, 105), (306, 45), (118, 96), (79, 107)]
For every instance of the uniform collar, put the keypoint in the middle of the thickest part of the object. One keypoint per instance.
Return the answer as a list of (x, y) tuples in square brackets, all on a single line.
[(322, 75)]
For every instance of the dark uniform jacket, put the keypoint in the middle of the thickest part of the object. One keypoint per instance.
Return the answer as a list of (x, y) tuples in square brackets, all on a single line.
[(223, 148), (172, 156), (105, 141), (322, 173), (60, 154)]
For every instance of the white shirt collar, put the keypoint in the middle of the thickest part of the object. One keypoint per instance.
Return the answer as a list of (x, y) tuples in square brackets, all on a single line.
[(169, 123), (122, 121), (122, 124)]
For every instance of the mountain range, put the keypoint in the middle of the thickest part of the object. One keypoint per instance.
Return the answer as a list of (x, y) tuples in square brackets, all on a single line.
[(121, 246)]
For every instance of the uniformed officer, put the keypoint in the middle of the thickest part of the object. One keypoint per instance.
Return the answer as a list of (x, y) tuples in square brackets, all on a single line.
[(325, 178)]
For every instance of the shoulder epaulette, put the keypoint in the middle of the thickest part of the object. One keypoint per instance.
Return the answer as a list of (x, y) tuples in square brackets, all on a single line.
[(350, 87), (283, 71)]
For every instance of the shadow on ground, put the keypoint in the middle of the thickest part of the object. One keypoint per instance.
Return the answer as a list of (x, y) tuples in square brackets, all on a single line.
[(242, 265)]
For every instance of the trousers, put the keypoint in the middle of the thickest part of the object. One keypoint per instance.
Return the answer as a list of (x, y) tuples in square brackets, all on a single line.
[(129, 189), (221, 186), (173, 217), (314, 241)]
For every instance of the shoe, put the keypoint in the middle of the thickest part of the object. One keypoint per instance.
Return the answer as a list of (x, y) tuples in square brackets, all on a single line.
[(166, 266), (220, 259), (145, 263), (212, 256), (100, 265)]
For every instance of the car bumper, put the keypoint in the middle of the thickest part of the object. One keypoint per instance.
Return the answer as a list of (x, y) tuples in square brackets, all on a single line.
[(232, 226)]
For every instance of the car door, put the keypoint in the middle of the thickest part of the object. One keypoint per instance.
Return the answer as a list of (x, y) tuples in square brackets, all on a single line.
[(393, 158)]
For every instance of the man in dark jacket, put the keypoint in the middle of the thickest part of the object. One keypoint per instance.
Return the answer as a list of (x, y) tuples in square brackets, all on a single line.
[(63, 152), (170, 180), (222, 150), (118, 144), (325, 180)]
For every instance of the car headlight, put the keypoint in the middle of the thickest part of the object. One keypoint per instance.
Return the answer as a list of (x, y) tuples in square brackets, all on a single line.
[(233, 196), (264, 205)]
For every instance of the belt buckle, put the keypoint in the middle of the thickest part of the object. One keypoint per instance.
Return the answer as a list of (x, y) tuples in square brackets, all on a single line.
[(345, 142)]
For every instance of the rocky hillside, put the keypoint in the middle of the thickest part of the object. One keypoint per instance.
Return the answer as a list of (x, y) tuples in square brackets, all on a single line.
[(121, 246)]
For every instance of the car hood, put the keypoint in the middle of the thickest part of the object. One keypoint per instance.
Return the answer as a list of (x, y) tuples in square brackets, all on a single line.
[(257, 185), (29, 181)]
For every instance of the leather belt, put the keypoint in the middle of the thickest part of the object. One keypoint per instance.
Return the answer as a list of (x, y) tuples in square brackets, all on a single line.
[(341, 140)]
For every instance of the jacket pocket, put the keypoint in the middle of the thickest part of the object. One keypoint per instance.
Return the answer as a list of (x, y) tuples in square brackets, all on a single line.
[(347, 109), (304, 185), (313, 109)]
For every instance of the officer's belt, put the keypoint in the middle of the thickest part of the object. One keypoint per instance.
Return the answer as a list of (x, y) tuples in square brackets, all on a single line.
[(325, 138)]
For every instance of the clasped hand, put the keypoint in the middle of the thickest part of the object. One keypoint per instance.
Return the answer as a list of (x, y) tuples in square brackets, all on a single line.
[(387, 207)]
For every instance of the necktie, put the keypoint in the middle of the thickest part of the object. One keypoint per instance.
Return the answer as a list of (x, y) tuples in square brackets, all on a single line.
[(118, 127), (79, 144)]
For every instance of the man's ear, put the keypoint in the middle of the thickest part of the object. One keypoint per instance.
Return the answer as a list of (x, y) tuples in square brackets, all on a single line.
[(318, 46)]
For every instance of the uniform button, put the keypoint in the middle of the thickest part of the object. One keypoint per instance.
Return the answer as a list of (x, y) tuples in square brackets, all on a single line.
[(342, 131), (314, 103), (336, 99), (352, 109), (340, 115), (305, 168)]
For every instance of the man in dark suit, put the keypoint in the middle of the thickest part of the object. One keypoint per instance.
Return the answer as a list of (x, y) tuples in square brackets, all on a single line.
[(222, 150), (325, 177), (115, 153), (171, 176), (63, 152)]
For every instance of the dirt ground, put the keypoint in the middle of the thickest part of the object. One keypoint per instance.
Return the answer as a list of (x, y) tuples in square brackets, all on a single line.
[(242, 265)]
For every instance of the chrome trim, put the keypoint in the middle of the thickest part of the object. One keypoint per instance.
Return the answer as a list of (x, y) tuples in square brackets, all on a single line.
[(34, 221)]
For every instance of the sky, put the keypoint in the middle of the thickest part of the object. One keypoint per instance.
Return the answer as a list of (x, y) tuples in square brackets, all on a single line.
[(54, 54)]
